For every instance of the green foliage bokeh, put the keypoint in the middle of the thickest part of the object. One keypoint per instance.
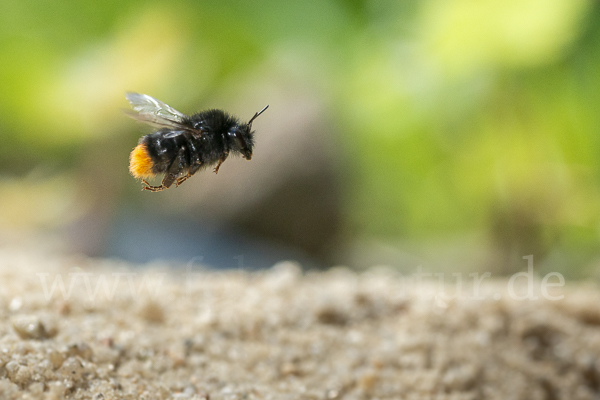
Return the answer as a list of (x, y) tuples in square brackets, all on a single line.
[(453, 116)]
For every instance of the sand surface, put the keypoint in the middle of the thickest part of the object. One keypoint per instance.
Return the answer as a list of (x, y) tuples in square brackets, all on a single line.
[(282, 334)]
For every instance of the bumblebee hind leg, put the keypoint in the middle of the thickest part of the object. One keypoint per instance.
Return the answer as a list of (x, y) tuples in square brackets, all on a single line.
[(170, 176), (151, 188)]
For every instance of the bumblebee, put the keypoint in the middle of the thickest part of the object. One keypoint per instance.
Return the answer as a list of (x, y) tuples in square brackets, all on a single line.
[(183, 144)]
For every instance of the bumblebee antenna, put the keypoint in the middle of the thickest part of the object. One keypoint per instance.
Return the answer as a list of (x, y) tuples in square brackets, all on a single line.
[(257, 114)]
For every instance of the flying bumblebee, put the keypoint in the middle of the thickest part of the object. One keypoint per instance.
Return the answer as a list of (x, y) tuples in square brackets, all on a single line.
[(183, 144)]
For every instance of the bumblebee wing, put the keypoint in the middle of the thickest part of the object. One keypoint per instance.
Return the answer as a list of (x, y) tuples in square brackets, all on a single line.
[(154, 112), (172, 134)]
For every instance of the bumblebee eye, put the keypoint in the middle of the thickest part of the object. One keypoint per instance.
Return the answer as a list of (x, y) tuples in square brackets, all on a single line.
[(237, 139), (240, 141)]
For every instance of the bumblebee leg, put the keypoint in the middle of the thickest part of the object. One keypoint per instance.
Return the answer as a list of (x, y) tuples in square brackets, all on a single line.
[(179, 181), (195, 163), (174, 169), (151, 188), (221, 160), (193, 169), (170, 176)]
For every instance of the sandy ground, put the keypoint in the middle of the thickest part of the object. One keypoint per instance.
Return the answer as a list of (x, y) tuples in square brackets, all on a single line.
[(118, 333)]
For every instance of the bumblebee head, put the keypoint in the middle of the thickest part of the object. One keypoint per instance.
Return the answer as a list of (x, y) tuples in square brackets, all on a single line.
[(242, 137), (241, 140)]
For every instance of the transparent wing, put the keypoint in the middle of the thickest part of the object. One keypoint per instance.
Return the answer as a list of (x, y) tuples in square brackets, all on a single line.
[(154, 112), (172, 134)]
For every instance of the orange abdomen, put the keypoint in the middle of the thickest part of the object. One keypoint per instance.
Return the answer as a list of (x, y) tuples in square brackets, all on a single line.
[(140, 163)]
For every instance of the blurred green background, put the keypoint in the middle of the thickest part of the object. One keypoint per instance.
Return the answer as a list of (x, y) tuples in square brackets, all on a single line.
[(456, 134)]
